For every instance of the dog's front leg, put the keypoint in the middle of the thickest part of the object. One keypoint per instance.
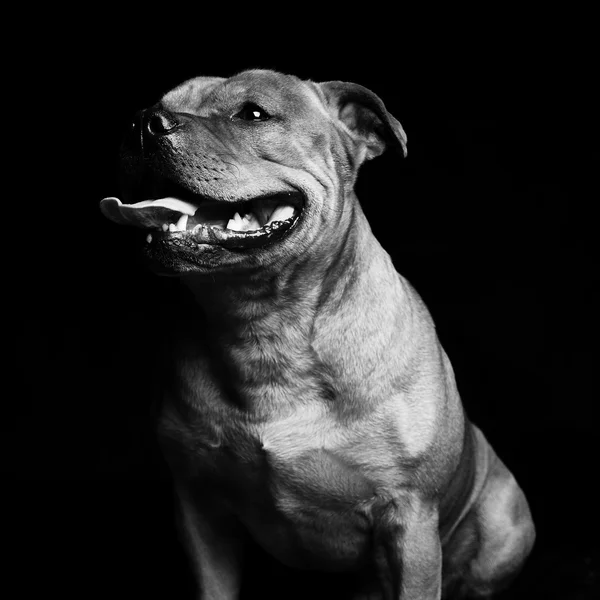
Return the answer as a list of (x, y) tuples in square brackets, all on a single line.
[(408, 553), (214, 543)]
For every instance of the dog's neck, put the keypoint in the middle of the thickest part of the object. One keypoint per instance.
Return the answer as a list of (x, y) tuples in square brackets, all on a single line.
[(293, 323)]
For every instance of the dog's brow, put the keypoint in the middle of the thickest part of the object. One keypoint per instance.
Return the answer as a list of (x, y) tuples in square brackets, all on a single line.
[(236, 91), (259, 86)]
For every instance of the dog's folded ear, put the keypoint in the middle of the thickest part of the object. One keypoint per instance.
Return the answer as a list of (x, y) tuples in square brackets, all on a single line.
[(364, 115)]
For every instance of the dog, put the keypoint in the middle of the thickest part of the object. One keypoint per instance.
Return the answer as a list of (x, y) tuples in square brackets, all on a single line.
[(310, 407)]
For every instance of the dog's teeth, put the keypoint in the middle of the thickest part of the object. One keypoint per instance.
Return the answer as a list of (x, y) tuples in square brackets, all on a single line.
[(262, 208), (252, 222), (173, 227), (282, 212), (165, 227), (182, 223), (248, 222), (149, 238), (234, 224), (196, 228)]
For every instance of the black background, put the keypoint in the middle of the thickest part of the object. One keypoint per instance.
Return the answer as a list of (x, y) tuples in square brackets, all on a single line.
[(492, 217)]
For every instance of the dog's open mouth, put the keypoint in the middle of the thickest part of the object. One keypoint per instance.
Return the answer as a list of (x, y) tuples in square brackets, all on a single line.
[(245, 224)]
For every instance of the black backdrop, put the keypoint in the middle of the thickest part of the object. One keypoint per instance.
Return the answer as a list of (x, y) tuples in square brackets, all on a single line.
[(491, 217)]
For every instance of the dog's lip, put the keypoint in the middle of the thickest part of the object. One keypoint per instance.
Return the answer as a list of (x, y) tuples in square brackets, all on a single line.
[(211, 222), (225, 238)]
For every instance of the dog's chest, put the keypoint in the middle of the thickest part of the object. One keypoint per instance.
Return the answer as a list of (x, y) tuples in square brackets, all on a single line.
[(290, 479), (306, 442)]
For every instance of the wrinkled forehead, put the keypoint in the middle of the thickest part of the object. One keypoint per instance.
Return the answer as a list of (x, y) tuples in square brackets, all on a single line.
[(270, 90)]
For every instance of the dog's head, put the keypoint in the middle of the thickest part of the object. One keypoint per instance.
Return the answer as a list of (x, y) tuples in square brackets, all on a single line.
[(247, 172)]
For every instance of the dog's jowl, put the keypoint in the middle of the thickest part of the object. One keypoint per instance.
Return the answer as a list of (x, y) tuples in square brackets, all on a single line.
[(311, 409)]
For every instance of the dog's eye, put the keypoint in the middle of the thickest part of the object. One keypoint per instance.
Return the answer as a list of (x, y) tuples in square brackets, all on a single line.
[(252, 112)]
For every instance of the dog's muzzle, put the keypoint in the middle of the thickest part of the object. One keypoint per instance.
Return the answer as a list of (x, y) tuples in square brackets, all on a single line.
[(170, 211)]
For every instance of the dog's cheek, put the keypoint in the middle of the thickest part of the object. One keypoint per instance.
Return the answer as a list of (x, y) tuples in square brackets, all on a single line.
[(335, 156)]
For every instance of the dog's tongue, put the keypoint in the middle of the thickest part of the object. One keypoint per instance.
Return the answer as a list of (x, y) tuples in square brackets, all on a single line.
[(148, 214)]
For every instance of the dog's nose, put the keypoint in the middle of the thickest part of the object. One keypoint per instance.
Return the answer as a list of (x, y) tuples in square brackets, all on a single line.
[(148, 127), (160, 122)]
